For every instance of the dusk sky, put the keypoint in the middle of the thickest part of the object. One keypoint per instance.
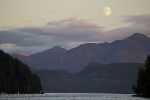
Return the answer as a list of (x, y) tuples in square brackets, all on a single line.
[(29, 26)]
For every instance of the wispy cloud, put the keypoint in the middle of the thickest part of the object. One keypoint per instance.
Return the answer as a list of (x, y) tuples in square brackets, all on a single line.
[(138, 24)]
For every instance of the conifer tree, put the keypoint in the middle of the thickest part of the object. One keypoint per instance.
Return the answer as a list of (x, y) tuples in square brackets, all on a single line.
[(143, 83)]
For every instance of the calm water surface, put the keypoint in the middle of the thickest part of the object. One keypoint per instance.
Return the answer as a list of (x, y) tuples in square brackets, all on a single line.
[(70, 96)]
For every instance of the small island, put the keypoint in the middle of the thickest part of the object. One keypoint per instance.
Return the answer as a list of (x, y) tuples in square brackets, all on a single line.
[(15, 77)]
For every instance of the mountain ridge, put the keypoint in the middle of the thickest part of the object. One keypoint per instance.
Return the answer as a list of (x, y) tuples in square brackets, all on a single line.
[(94, 78), (131, 49)]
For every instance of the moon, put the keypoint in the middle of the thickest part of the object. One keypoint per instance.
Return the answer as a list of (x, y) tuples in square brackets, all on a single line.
[(107, 11)]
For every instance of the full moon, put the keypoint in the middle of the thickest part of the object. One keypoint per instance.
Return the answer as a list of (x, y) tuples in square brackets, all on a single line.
[(107, 11)]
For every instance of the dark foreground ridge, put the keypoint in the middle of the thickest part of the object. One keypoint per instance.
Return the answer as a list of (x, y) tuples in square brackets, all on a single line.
[(15, 77), (95, 78)]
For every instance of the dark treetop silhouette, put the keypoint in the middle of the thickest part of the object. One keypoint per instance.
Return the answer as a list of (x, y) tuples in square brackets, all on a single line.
[(143, 83)]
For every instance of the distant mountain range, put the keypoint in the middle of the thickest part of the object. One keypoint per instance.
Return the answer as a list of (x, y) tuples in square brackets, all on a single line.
[(95, 78), (134, 48)]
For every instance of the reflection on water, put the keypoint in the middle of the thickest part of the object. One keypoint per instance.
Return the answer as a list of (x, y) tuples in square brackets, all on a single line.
[(69, 96)]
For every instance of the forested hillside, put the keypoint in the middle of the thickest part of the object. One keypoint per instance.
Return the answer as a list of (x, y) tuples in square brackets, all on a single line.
[(15, 77)]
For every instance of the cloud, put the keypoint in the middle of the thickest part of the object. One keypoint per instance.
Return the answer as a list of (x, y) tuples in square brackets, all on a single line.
[(138, 24), (16, 37), (15, 41), (7, 45), (70, 30), (68, 33)]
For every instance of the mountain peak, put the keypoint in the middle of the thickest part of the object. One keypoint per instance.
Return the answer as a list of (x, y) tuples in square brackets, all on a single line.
[(138, 36), (57, 48)]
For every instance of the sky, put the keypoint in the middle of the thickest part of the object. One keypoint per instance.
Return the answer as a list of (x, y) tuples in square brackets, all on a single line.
[(30, 26)]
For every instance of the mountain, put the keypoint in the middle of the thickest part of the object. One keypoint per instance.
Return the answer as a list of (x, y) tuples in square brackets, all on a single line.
[(48, 54), (16, 77), (95, 78), (41, 59), (134, 48)]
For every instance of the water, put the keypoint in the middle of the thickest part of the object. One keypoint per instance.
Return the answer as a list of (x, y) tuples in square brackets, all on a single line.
[(70, 96)]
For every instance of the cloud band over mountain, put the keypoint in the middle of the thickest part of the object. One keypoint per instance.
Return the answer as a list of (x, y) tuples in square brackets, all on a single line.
[(67, 33)]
